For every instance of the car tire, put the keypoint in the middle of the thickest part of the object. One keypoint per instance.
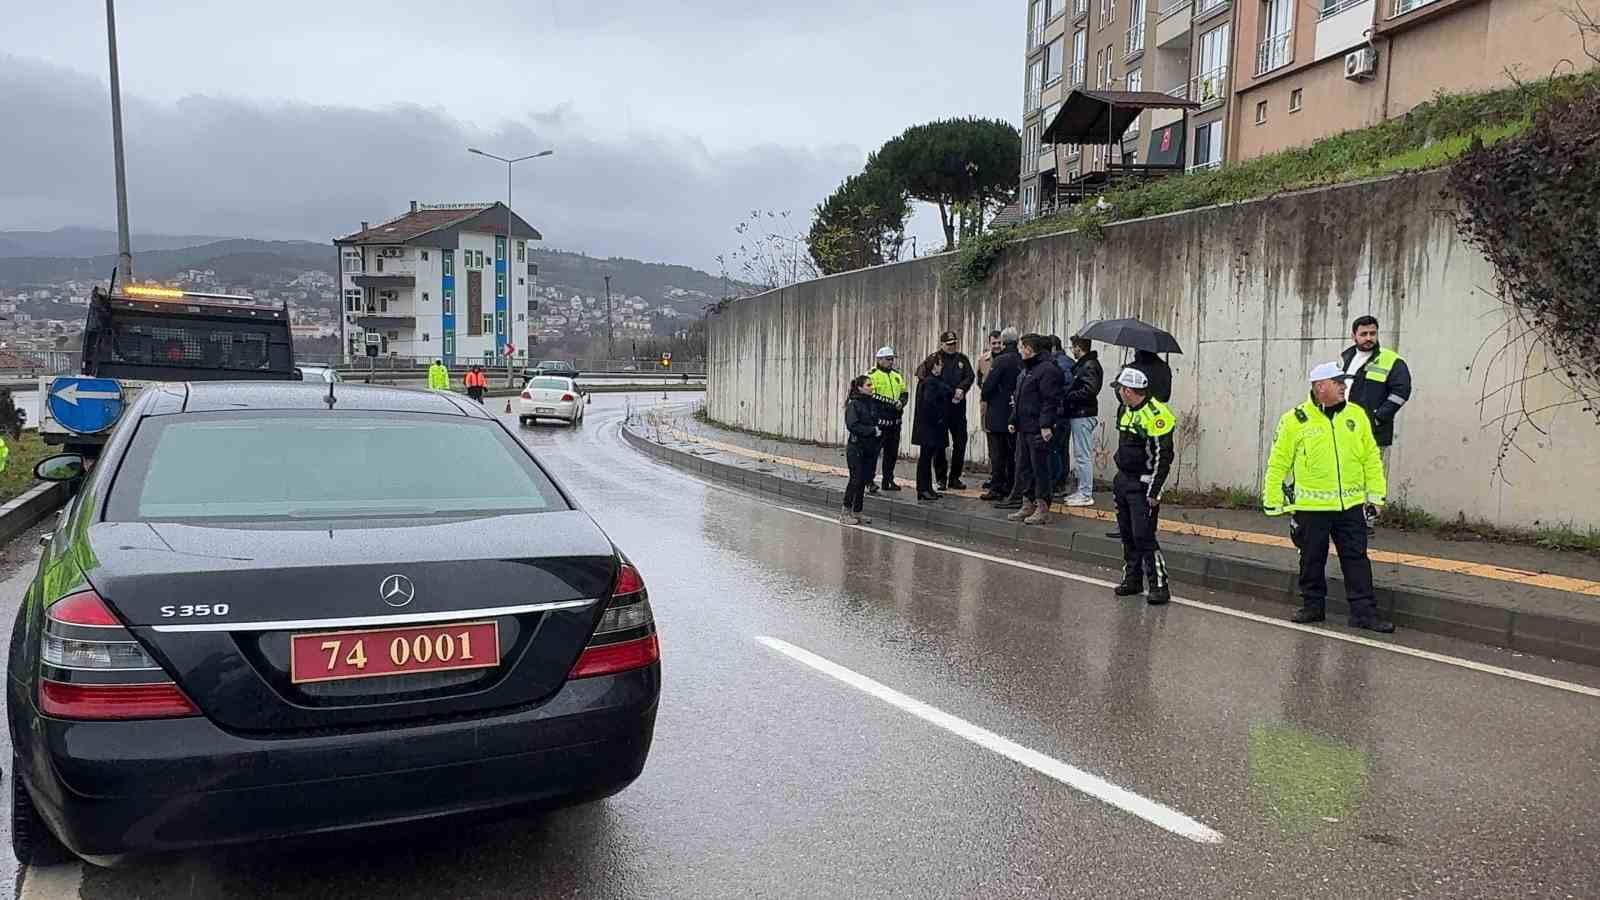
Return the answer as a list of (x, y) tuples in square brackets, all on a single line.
[(32, 841), (523, 421)]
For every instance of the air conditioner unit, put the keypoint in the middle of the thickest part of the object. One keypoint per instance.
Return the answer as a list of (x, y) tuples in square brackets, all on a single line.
[(1361, 65), (397, 252)]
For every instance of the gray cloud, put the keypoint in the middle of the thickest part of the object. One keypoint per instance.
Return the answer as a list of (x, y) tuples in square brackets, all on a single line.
[(298, 170)]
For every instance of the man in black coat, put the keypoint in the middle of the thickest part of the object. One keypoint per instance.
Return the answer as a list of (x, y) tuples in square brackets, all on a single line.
[(1034, 417), (930, 430), (951, 366), (1157, 371), (998, 392)]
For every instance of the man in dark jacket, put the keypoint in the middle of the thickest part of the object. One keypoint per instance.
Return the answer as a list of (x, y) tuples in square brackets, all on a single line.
[(1157, 371), (998, 393), (951, 366), (930, 431), (1034, 418), (1083, 416), (1381, 381)]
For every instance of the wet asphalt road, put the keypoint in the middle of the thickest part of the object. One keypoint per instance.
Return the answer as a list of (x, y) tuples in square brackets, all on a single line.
[(1329, 769)]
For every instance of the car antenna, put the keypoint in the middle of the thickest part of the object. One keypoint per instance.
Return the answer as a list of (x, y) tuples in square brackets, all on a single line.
[(330, 399)]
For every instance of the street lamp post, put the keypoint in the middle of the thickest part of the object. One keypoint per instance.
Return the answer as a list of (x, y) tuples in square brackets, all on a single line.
[(509, 163), (124, 249)]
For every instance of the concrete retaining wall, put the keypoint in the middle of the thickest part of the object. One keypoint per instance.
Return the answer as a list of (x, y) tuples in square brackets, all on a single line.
[(1257, 294)]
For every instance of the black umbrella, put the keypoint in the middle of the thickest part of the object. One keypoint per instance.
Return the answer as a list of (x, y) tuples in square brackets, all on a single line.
[(1131, 333)]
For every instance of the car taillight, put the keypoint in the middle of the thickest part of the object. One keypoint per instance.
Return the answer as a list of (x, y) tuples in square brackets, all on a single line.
[(526, 395), (567, 398), (91, 667), (626, 636)]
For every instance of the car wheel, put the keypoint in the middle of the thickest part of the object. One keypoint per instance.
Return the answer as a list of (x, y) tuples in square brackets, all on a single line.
[(523, 421), (32, 841)]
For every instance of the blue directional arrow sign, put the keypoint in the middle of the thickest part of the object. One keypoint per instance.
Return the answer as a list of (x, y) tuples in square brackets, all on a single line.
[(85, 405)]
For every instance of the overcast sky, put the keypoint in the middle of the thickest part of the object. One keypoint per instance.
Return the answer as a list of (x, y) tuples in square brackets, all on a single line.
[(671, 119)]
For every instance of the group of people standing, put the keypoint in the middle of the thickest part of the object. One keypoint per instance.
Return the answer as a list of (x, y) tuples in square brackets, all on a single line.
[(1037, 402)]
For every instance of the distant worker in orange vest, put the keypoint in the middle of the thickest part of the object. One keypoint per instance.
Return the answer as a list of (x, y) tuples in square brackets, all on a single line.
[(476, 383)]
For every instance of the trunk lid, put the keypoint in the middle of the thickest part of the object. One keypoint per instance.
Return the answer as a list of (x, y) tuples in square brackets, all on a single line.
[(219, 605)]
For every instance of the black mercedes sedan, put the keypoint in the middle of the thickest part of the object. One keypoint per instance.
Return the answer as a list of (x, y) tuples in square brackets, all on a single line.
[(283, 609)]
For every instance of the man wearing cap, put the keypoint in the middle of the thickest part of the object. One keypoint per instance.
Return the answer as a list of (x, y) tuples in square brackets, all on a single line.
[(1144, 459), (889, 387), (952, 367), (1326, 448)]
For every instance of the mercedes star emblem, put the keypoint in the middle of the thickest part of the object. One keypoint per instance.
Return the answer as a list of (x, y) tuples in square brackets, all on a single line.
[(397, 590)]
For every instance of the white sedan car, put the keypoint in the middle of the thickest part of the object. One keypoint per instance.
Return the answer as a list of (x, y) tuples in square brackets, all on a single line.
[(551, 397)]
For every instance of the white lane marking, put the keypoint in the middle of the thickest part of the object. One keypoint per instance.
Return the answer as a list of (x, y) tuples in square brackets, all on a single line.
[(63, 882), (1486, 668), (1149, 810)]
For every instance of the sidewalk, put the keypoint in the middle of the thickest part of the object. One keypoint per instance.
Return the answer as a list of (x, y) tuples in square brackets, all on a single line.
[(1526, 598)]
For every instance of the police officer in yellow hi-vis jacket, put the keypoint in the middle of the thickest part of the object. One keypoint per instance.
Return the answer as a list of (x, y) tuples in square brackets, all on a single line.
[(1327, 446), (889, 387)]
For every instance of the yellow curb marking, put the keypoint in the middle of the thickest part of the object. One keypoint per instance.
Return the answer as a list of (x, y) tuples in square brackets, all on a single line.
[(1436, 564)]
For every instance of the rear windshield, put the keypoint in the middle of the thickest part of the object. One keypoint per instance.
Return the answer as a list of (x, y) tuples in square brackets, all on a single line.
[(550, 384), (292, 466)]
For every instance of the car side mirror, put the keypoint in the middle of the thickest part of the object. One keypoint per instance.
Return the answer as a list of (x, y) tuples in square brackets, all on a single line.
[(62, 467)]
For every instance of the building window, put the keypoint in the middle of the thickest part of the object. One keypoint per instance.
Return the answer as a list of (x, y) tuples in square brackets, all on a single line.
[(522, 250), (1135, 39), (1035, 85), (1211, 85), (449, 344), (521, 317), (1277, 44), (1135, 79), (488, 323), (1030, 149), (425, 337), (352, 261), (500, 283), (1208, 146), (499, 248), (1261, 113), (1053, 8), (1035, 23), (1044, 124), (1080, 51), (1053, 57), (352, 300), (1108, 79), (448, 303), (520, 280), (424, 256), (1028, 200), (380, 264), (448, 260), (1099, 67), (1295, 100)]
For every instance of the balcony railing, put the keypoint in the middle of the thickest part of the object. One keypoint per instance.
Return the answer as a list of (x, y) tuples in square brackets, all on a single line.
[(1275, 52), (1181, 92), (1168, 7), (1200, 167), (1035, 37), (1401, 7), (1080, 7), (1134, 42), (1202, 7), (1209, 88), (1076, 74), (1331, 8), (1030, 101)]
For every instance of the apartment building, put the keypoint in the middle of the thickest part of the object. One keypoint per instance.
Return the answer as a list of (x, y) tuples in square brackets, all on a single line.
[(1269, 74), (439, 281), (1311, 70), (1115, 45)]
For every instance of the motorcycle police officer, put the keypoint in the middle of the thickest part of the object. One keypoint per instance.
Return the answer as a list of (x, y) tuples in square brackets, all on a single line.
[(1327, 445), (889, 386), (1144, 459)]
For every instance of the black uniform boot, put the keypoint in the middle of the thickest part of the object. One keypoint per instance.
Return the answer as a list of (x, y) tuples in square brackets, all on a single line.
[(1159, 596), (1305, 615), (1132, 585)]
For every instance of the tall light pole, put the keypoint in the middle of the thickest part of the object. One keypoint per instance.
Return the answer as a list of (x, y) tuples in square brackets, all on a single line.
[(509, 163), (611, 349), (124, 248)]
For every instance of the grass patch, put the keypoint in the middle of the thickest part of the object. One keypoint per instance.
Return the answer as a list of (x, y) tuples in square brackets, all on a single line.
[(1431, 135), (26, 452), (1215, 497)]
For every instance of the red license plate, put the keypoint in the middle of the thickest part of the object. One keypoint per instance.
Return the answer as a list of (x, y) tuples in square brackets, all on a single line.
[(373, 653)]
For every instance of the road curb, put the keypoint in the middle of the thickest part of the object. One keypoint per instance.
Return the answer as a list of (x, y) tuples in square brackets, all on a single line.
[(1436, 613), (25, 511)]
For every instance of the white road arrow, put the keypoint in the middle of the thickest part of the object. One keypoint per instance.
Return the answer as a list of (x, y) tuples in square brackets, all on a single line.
[(71, 394)]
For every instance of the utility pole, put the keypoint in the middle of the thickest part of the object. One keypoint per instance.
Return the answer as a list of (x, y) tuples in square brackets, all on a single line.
[(611, 345), (503, 329), (124, 247)]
